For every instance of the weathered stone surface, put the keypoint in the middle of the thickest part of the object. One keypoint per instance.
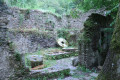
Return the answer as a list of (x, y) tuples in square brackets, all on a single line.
[(94, 74), (6, 62), (6, 68), (70, 78), (30, 42), (88, 58), (75, 62), (118, 64), (87, 78)]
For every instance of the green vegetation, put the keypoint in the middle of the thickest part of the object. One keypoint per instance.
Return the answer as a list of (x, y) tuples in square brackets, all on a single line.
[(54, 6), (65, 6), (95, 4), (69, 34), (83, 68), (110, 5), (17, 56)]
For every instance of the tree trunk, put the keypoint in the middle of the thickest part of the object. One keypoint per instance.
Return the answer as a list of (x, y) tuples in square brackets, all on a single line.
[(111, 67)]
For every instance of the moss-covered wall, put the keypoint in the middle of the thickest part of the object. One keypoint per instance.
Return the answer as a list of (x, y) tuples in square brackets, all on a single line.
[(111, 68)]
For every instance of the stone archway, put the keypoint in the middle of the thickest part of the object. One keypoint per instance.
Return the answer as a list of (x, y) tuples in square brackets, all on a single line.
[(96, 29)]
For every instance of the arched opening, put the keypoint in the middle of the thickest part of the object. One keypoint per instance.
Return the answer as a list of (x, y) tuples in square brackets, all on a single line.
[(97, 29)]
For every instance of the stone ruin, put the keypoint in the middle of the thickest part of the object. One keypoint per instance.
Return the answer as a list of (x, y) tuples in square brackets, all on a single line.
[(13, 39)]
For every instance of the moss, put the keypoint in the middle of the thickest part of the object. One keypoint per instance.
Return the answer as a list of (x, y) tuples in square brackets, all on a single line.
[(89, 31), (17, 56), (115, 43), (103, 77)]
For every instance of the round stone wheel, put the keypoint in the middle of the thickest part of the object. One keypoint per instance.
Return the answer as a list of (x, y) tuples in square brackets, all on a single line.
[(35, 60)]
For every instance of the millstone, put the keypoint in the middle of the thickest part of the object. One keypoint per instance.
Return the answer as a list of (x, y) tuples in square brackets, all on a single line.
[(35, 60), (62, 42), (70, 49)]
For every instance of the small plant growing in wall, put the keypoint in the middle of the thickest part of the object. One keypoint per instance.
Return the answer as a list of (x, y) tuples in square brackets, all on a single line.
[(17, 56), (21, 19)]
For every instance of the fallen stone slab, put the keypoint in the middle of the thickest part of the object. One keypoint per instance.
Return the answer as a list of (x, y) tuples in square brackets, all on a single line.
[(70, 49), (70, 78), (50, 72), (59, 55)]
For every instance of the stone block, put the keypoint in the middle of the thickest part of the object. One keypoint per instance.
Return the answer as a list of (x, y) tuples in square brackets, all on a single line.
[(35, 60)]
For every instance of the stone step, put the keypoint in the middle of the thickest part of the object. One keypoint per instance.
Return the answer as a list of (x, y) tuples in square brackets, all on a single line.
[(59, 55), (50, 72)]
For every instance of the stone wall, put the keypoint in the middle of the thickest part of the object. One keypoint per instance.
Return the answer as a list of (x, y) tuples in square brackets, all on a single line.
[(23, 18), (6, 64), (29, 42)]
